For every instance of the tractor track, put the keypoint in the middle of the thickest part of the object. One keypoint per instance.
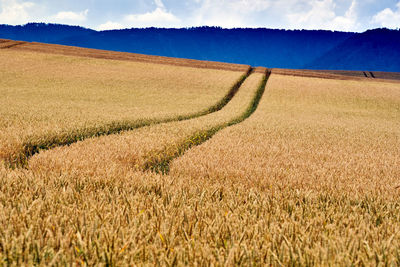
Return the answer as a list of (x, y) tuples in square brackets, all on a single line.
[(36, 144), (161, 164)]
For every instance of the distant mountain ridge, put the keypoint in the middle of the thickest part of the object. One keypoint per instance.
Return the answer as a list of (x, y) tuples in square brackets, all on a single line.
[(375, 50)]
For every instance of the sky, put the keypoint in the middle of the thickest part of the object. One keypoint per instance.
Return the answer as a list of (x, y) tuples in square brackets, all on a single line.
[(341, 15)]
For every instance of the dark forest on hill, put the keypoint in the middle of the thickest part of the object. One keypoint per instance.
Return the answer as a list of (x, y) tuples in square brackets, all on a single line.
[(375, 50)]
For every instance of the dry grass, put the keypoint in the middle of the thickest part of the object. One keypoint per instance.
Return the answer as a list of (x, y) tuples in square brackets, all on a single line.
[(54, 99)]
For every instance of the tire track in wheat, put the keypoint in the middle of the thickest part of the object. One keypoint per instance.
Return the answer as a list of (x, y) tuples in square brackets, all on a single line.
[(150, 148), (161, 164), (32, 147)]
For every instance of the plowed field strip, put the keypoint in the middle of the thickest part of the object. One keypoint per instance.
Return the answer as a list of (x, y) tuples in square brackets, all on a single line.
[(105, 54), (31, 148), (9, 44), (386, 77)]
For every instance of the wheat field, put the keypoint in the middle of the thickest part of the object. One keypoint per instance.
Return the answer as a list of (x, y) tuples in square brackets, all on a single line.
[(141, 149), (51, 99), (291, 171), (321, 161)]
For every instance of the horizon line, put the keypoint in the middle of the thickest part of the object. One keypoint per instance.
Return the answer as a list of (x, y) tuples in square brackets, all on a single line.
[(193, 27)]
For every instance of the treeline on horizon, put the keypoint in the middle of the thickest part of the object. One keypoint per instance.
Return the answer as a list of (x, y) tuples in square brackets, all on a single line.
[(373, 50)]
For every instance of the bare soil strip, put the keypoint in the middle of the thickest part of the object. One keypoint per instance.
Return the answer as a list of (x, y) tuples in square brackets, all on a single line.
[(391, 77), (382, 75), (262, 70), (33, 147), (105, 54), (5, 44), (361, 74)]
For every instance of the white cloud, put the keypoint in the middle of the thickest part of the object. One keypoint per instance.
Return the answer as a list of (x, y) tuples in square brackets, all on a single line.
[(15, 12), (228, 13), (159, 17), (110, 25), (293, 14), (321, 15), (348, 22), (159, 4), (246, 6), (69, 16), (388, 18)]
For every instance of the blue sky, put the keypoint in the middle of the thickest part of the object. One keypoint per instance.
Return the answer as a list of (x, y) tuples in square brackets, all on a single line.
[(344, 15)]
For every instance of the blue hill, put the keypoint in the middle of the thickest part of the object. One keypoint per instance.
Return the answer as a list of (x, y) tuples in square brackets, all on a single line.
[(377, 50), (374, 50)]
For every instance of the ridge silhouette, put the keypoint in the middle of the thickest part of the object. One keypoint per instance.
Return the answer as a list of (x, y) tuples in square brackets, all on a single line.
[(373, 50)]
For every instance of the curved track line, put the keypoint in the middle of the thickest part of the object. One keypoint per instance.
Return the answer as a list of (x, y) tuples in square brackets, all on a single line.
[(35, 145), (162, 164)]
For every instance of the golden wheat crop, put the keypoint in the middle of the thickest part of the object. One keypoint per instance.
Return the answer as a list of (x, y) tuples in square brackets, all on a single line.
[(323, 158), (143, 147), (314, 134), (309, 179), (46, 98)]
